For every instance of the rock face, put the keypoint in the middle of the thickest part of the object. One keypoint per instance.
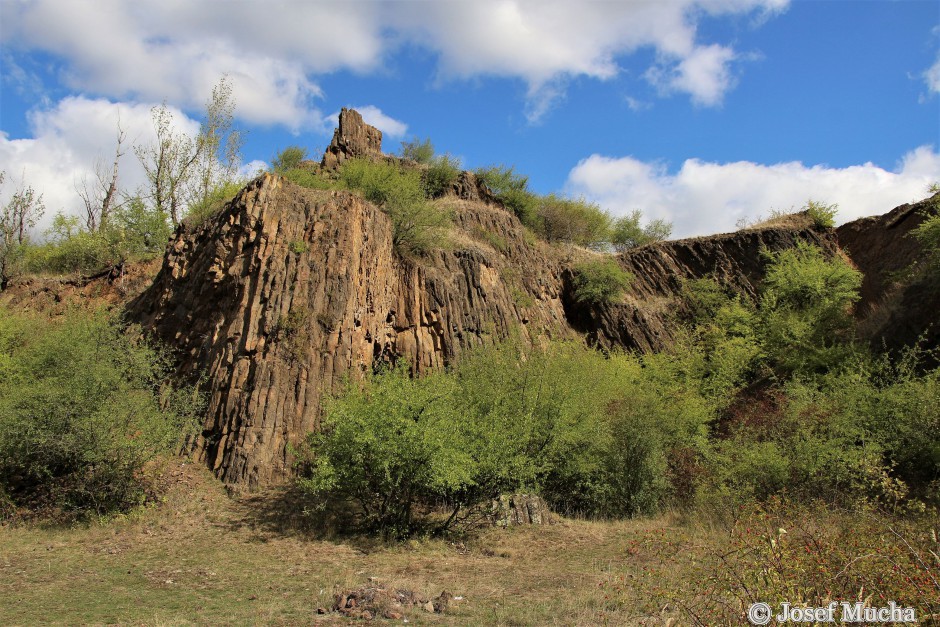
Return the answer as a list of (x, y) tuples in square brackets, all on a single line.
[(897, 306), (354, 138), (288, 292), (644, 321)]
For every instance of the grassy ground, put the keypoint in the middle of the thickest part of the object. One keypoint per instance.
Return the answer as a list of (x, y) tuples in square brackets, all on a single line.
[(201, 557)]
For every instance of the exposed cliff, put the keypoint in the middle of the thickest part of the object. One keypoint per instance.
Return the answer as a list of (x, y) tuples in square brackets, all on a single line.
[(289, 291), (645, 319), (898, 304)]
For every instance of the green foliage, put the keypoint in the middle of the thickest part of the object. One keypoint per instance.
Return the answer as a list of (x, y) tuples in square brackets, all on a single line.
[(133, 231), (288, 159), (823, 215), (17, 218), (311, 179), (213, 202), (418, 226), (513, 190), (573, 221), (600, 281), (421, 151), (627, 232), (805, 309), (83, 408), (928, 234), (441, 175)]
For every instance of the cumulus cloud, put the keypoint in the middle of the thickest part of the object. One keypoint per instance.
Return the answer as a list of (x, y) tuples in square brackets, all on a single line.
[(66, 143), (176, 50), (704, 197)]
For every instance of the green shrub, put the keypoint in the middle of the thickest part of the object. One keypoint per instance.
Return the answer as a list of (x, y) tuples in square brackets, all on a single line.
[(806, 309), (600, 281), (421, 151), (218, 197), (83, 408), (928, 234), (627, 232), (823, 215), (441, 176), (288, 159), (513, 190), (418, 226), (574, 221)]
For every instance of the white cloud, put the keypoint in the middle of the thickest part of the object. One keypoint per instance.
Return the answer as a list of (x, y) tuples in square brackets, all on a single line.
[(932, 77), (703, 198), (371, 114), (67, 142), (705, 74), (176, 49)]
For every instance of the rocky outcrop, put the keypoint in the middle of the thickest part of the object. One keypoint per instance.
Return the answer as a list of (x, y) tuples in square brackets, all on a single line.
[(645, 320), (899, 302), (354, 138), (289, 291)]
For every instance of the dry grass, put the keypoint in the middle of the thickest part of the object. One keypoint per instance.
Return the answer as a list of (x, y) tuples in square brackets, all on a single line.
[(201, 557)]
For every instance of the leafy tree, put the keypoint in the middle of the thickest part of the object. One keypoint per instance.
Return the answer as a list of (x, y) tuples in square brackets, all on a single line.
[(18, 216), (928, 234), (627, 232), (574, 221), (288, 159), (183, 170), (421, 151), (600, 281)]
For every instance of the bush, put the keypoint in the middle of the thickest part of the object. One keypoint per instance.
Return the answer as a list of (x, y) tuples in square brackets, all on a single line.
[(513, 190), (218, 197), (288, 159), (418, 226), (627, 232), (441, 176), (823, 215), (928, 234), (600, 282), (573, 221), (421, 151), (83, 408), (806, 309)]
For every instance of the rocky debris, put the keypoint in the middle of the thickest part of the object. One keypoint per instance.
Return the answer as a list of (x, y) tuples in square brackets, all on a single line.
[(898, 305), (375, 602), (519, 509), (354, 138)]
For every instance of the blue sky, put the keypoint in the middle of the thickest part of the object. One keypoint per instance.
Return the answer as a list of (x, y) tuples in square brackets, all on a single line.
[(701, 112)]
